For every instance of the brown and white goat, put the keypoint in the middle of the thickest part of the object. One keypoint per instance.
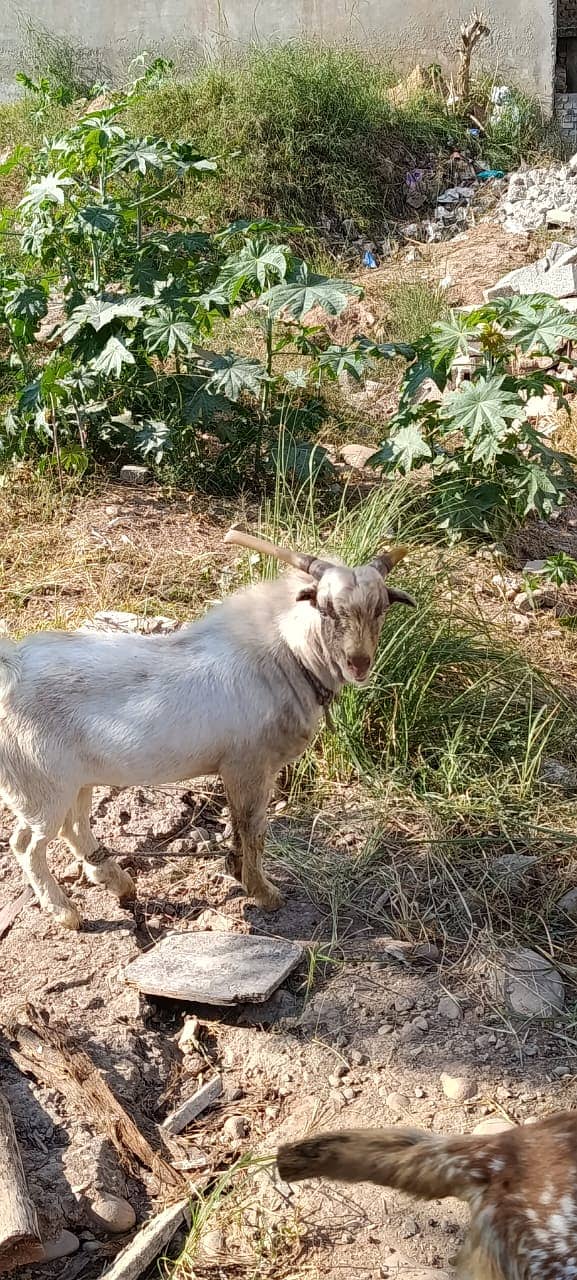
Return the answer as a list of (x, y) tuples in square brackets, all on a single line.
[(520, 1185)]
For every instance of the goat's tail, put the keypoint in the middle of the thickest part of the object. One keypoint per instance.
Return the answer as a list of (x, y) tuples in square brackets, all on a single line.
[(427, 1165), (9, 665)]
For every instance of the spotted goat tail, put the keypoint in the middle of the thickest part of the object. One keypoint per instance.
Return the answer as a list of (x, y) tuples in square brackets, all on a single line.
[(426, 1165)]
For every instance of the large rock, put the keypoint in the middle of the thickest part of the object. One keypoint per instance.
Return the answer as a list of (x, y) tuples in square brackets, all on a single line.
[(527, 984), (559, 281), (214, 968)]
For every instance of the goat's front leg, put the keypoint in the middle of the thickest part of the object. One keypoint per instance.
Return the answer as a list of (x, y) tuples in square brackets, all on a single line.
[(30, 850), (99, 867), (248, 799)]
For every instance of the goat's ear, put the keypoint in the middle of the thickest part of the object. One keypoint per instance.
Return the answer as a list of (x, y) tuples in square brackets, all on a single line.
[(308, 593), (401, 597)]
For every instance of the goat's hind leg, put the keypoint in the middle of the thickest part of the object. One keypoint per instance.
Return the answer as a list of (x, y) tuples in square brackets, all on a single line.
[(99, 867), (248, 798), (29, 847)]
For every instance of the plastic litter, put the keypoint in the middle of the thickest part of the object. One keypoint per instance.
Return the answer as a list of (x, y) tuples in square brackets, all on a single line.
[(486, 174), (504, 105), (369, 259)]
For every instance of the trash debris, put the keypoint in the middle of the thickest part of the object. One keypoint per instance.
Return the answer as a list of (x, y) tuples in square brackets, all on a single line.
[(484, 175), (504, 105), (369, 259)]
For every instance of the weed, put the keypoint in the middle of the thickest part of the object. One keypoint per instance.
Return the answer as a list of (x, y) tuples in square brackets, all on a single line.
[(316, 137), (71, 69)]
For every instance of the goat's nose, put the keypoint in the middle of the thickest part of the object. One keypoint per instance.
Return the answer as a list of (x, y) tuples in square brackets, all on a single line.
[(359, 664)]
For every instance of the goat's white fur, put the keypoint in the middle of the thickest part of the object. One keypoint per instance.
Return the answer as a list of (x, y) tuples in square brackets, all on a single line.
[(223, 696)]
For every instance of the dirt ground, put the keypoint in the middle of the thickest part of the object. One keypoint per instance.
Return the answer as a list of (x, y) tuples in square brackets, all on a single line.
[(371, 1027), (359, 1037)]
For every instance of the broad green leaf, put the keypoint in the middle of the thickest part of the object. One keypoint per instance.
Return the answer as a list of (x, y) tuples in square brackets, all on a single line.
[(402, 450), (50, 189), (305, 290), (141, 154), (538, 324), (336, 361), (449, 338), (100, 312), (153, 439), (536, 489), (234, 374), (483, 406), (199, 406), (163, 332), (112, 357), (101, 217), (27, 304), (296, 378), (255, 265)]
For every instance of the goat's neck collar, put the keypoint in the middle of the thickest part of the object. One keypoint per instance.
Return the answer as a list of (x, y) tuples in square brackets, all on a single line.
[(323, 695)]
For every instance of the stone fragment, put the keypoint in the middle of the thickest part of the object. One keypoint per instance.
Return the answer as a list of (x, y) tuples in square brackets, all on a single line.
[(131, 474), (527, 983), (112, 1214), (493, 1124), (214, 968), (458, 1088)]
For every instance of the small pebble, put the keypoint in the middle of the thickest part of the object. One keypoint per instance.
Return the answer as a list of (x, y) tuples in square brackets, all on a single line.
[(235, 1128), (62, 1247), (448, 1008), (493, 1124), (398, 1103), (458, 1088), (113, 1214)]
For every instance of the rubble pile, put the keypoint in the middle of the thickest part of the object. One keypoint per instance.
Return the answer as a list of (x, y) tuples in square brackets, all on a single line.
[(540, 198)]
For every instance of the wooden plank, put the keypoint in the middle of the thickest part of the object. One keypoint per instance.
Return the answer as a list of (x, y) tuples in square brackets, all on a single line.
[(204, 1097), (20, 1240), (149, 1243), (12, 910)]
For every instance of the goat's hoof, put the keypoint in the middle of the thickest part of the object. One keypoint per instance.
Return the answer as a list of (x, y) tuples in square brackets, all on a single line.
[(68, 917), (269, 898), (124, 888)]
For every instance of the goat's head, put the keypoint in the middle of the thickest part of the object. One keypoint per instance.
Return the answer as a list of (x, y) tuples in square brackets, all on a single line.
[(352, 603)]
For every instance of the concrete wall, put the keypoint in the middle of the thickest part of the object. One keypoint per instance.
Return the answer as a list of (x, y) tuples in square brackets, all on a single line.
[(522, 44)]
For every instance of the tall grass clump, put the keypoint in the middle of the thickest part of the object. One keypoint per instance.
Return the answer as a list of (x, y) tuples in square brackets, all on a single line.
[(316, 134)]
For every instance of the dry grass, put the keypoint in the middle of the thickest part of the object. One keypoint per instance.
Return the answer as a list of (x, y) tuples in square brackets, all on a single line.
[(65, 557)]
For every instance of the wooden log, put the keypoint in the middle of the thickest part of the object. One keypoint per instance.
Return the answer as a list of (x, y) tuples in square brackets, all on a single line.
[(19, 1231), (148, 1244), (63, 1065), (12, 910), (204, 1097)]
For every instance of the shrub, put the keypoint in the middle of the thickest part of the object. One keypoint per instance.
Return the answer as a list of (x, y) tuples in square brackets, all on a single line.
[(489, 466)]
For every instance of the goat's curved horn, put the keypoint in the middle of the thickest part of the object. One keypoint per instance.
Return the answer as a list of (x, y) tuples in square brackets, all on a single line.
[(388, 559), (307, 564)]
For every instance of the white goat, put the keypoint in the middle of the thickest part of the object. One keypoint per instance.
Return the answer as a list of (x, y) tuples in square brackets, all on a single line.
[(239, 693)]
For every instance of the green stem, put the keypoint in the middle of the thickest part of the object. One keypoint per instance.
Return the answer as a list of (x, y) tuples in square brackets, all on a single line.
[(95, 264), (138, 215), (266, 394)]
